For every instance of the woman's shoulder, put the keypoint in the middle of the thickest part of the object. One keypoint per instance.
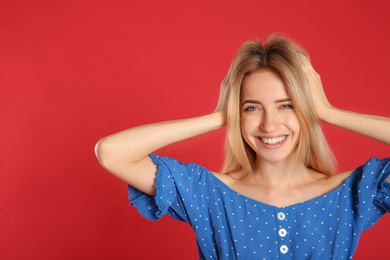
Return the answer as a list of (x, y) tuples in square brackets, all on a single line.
[(231, 179), (338, 179), (332, 181), (374, 167)]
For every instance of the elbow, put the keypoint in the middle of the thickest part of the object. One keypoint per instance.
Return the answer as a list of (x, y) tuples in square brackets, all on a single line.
[(97, 150), (102, 152)]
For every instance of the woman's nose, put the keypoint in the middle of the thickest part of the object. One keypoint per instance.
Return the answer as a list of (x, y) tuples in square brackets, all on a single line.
[(269, 122)]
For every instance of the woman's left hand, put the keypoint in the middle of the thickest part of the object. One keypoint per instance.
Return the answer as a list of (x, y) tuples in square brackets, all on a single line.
[(322, 105), (375, 127)]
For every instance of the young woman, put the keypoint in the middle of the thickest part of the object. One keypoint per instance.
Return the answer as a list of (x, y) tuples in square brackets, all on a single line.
[(277, 195)]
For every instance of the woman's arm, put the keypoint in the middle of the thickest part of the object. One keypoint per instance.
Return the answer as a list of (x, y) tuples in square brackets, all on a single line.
[(125, 154), (375, 127)]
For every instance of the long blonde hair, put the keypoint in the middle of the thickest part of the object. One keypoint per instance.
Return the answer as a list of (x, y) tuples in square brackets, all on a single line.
[(284, 57)]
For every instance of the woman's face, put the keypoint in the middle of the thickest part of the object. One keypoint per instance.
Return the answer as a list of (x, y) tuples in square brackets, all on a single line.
[(269, 123)]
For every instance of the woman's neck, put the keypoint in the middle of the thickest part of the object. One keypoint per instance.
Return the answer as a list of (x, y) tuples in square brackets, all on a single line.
[(288, 173)]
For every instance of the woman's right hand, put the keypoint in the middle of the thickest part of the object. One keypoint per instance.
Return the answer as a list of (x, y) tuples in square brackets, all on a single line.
[(223, 99)]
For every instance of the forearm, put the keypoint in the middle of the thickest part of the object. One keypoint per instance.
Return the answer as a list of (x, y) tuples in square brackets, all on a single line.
[(132, 145), (375, 127)]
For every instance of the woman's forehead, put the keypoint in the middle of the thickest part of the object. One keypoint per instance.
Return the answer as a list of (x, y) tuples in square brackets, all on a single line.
[(263, 85)]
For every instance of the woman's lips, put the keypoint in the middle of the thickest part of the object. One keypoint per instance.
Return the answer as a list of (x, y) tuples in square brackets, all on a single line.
[(273, 142)]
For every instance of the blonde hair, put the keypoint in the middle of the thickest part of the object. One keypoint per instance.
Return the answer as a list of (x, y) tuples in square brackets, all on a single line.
[(284, 57)]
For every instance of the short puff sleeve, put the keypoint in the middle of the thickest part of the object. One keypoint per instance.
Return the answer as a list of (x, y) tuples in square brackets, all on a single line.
[(371, 191), (176, 190)]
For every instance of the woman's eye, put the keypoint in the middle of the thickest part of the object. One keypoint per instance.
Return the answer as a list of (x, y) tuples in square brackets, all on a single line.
[(250, 108), (287, 106)]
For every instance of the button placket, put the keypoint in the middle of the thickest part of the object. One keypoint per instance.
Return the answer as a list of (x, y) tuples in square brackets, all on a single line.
[(282, 233)]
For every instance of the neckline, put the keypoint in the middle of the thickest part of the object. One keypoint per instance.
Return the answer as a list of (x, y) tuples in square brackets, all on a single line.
[(295, 205)]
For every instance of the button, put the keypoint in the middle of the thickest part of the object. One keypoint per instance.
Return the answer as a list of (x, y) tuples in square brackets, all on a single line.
[(281, 216), (282, 232), (283, 249)]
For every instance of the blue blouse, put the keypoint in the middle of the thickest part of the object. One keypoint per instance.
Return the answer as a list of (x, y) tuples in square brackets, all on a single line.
[(229, 225)]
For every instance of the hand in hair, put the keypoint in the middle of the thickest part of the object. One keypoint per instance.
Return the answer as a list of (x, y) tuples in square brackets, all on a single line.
[(375, 127), (223, 99), (320, 100)]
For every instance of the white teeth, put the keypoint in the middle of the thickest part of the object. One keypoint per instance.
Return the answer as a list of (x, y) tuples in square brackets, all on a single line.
[(273, 140)]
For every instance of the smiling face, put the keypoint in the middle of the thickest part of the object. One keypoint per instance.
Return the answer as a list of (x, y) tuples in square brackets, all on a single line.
[(269, 123)]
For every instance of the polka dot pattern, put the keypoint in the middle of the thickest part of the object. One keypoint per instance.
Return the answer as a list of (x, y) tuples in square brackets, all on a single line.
[(229, 225)]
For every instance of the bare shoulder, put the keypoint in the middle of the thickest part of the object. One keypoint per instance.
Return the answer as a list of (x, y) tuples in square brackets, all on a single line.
[(338, 179), (322, 184), (223, 177), (230, 178)]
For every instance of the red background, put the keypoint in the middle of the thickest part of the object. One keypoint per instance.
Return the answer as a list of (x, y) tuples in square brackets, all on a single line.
[(72, 72)]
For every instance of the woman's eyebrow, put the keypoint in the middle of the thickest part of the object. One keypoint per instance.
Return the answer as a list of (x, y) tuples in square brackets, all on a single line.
[(252, 101), (282, 100)]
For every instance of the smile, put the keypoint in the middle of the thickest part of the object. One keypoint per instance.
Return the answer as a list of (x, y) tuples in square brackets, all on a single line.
[(273, 140)]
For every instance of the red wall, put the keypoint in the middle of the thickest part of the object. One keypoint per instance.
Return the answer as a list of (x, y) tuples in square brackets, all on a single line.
[(71, 73)]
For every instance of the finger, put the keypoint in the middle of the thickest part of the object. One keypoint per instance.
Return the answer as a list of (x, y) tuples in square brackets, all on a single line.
[(306, 65)]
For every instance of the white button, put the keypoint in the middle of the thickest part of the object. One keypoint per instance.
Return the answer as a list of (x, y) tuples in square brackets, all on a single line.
[(281, 216), (282, 232), (283, 249)]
